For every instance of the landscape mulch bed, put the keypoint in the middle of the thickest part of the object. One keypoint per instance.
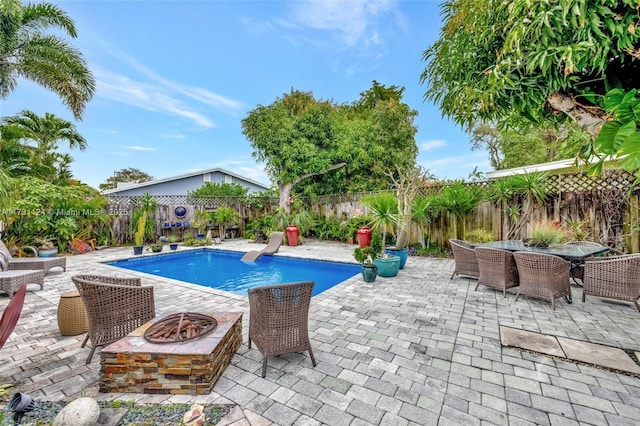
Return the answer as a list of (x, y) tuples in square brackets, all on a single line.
[(136, 414)]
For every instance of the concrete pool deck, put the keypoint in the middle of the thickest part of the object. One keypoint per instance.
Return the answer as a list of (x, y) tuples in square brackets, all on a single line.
[(413, 349)]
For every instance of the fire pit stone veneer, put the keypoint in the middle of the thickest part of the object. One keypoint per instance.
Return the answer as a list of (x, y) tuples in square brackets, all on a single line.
[(133, 364)]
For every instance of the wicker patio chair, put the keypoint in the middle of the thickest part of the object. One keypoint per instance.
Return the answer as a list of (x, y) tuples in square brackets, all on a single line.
[(279, 319), (32, 263), (497, 269), (465, 259), (577, 271), (543, 275), (615, 277), (11, 281), (115, 307)]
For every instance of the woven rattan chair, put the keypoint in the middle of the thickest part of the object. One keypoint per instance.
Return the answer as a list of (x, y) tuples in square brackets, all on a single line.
[(497, 269), (465, 259), (11, 281), (279, 319), (115, 307), (32, 263), (577, 270), (615, 277), (542, 275)]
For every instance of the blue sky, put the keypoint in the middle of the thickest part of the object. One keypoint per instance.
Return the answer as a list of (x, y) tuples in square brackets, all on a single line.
[(175, 78)]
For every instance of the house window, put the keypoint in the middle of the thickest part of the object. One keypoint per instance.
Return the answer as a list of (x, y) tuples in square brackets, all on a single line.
[(206, 177), (228, 179)]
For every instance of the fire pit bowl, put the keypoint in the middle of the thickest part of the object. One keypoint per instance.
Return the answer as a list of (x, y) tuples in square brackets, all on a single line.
[(180, 327)]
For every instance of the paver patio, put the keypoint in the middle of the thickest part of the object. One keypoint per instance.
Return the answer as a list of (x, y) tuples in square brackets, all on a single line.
[(414, 349)]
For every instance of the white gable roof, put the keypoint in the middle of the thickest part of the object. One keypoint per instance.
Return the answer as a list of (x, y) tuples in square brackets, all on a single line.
[(127, 185)]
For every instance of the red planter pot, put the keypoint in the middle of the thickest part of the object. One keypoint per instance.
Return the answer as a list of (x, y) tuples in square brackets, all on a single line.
[(364, 237), (292, 235)]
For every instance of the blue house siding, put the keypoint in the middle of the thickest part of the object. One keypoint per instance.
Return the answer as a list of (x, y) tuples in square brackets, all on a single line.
[(181, 185)]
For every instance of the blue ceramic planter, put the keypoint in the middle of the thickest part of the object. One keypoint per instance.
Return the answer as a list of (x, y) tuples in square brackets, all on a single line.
[(388, 266), (48, 252), (403, 254), (369, 273)]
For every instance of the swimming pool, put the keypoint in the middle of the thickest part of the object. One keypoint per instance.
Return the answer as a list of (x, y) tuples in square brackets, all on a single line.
[(223, 270)]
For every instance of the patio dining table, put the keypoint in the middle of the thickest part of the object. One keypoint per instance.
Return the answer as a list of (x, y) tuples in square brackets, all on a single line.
[(573, 253)]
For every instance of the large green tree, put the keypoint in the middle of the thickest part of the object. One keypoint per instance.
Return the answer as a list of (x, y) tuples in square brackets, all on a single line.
[(127, 175), (39, 138), (302, 139), (527, 143), (27, 51), (496, 60), (376, 133), (294, 136)]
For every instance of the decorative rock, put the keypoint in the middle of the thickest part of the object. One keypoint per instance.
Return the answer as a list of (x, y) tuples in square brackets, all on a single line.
[(195, 416), (81, 412)]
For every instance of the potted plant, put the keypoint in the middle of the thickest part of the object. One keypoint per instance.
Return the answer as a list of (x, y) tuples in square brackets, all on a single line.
[(46, 247), (173, 242), (200, 222), (302, 221), (294, 225), (384, 218), (364, 256), (138, 237), (545, 234), (156, 247), (407, 184)]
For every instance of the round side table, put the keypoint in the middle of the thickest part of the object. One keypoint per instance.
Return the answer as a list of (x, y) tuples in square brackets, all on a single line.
[(72, 316)]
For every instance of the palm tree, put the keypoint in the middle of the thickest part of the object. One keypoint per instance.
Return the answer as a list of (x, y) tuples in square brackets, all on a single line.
[(384, 213), (225, 215), (422, 212), (47, 132), (14, 155), (26, 51)]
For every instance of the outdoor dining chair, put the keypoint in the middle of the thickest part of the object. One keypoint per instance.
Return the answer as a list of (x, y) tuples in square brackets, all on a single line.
[(115, 307), (543, 275), (279, 319), (465, 260), (497, 269), (615, 277), (577, 271)]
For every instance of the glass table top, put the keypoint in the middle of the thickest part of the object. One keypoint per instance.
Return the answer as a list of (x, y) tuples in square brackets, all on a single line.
[(563, 250)]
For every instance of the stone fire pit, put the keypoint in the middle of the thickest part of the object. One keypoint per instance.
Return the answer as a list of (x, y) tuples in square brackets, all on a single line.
[(191, 367)]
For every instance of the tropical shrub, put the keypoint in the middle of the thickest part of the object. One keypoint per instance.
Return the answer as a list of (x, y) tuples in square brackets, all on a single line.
[(459, 199), (478, 236), (41, 209)]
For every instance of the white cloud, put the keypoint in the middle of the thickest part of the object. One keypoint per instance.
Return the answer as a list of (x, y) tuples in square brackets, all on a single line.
[(432, 144), (356, 22), (140, 148), (152, 92), (144, 95)]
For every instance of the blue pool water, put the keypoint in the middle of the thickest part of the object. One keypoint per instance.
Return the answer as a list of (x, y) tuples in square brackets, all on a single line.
[(223, 270)]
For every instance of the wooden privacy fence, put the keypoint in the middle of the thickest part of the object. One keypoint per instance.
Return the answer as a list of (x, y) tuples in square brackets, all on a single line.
[(604, 206)]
